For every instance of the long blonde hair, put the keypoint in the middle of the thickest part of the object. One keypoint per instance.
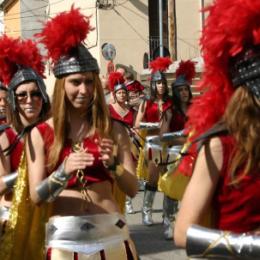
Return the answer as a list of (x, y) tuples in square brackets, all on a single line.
[(98, 116), (242, 118)]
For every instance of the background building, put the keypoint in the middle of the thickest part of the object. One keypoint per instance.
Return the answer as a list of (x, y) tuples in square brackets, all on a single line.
[(131, 26)]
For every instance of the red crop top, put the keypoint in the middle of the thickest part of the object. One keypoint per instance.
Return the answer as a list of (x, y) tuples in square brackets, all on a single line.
[(93, 174), (237, 207), (128, 118), (16, 153), (178, 121), (152, 110)]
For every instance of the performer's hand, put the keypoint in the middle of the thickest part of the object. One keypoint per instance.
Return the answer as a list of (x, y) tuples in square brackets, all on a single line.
[(78, 161), (106, 147)]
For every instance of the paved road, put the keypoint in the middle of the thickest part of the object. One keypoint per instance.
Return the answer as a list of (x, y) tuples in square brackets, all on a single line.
[(149, 241)]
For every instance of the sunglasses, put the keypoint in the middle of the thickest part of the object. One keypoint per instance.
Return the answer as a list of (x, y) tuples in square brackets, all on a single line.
[(34, 95)]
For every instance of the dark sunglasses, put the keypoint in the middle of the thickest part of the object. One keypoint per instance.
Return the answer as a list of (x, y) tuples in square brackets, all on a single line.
[(22, 96)]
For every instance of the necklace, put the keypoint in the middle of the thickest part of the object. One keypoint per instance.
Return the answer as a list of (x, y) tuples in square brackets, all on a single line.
[(76, 147)]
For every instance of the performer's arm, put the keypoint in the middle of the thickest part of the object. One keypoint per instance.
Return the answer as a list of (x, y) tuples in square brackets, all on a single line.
[(43, 188), (125, 173), (36, 162), (165, 121), (5, 167), (140, 114), (198, 195)]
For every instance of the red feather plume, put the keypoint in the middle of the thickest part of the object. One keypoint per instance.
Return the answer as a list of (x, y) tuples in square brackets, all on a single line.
[(135, 86), (15, 53), (64, 32), (114, 79), (161, 64), (186, 68), (231, 26)]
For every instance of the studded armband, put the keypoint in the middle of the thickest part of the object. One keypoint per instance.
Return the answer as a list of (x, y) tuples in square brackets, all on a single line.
[(51, 187)]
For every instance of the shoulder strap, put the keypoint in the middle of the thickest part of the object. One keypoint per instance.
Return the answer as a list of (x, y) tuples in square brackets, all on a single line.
[(218, 129), (3, 127)]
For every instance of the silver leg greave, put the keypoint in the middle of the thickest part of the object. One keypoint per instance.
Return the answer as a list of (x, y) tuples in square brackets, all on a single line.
[(147, 207), (216, 244), (129, 206), (170, 209)]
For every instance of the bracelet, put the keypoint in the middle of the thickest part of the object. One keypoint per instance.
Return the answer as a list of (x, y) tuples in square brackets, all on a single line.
[(114, 165), (119, 170), (9, 180), (116, 168)]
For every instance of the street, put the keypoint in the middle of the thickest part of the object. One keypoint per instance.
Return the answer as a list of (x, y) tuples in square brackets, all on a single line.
[(149, 241)]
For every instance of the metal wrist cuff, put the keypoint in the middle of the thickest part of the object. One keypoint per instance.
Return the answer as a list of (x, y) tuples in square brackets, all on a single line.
[(114, 165), (216, 244), (9, 180), (52, 186), (119, 170), (149, 125)]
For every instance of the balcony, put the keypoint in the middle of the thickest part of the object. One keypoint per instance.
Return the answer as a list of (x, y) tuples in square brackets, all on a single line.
[(154, 44)]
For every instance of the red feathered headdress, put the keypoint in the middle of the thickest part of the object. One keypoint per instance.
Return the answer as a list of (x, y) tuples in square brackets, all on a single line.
[(134, 86), (64, 32), (160, 64), (231, 26), (115, 79), (16, 54), (186, 68)]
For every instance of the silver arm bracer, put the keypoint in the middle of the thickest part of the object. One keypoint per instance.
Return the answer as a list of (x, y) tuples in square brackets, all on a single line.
[(217, 244), (50, 188), (9, 180), (168, 137), (149, 125)]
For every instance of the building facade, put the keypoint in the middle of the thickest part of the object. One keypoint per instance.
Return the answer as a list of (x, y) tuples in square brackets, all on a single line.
[(131, 26)]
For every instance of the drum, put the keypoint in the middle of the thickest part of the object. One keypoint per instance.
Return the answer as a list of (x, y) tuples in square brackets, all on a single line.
[(164, 150)]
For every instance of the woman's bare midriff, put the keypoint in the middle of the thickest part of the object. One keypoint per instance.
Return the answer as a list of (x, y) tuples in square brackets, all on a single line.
[(99, 201)]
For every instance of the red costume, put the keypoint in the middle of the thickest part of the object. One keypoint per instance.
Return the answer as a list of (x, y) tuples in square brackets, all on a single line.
[(127, 119), (178, 121), (236, 207), (17, 151), (95, 173), (152, 113)]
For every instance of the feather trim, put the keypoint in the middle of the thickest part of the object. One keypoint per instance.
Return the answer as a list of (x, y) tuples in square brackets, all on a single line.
[(231, 26), (186, 68), (161, 64), (15, 53), (64, 32), (115, 78)]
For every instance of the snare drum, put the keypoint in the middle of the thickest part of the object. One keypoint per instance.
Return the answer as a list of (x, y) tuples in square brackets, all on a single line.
[(163, 152)]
